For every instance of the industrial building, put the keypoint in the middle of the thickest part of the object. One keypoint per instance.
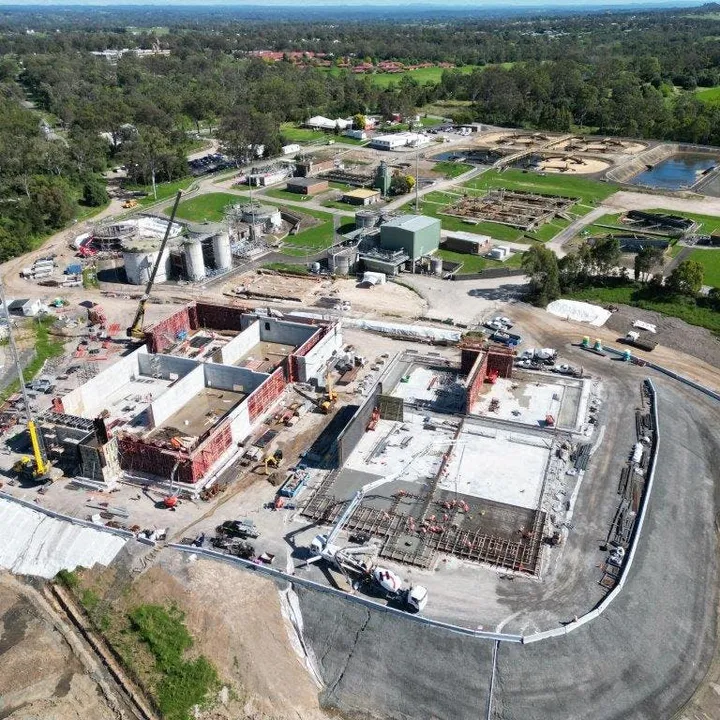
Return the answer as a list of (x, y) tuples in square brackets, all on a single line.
[(178, 406), (361, 196), (313, 165), (307, 185), (318, 122), (395, 141), (416, 235), (467, 243)]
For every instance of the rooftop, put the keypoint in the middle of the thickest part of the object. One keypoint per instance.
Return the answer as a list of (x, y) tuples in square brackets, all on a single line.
[(412, 223), (361, 193), (305, 181)]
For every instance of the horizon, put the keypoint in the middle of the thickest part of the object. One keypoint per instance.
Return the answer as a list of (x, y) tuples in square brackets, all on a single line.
[(390, 4)]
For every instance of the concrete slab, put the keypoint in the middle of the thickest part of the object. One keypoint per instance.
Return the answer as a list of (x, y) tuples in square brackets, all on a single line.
[(438, 389), (200, 413), (133, 398), (265, 356), (498, 465)]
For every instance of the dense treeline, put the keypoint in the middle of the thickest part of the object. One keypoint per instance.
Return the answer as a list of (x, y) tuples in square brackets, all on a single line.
[(625, 74)]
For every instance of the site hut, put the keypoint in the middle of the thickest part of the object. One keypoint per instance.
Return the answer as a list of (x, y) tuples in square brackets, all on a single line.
[(356, 134), (415, 235), (177, 407), (307, 185), (361, 196), (25, 307), (467, 243)]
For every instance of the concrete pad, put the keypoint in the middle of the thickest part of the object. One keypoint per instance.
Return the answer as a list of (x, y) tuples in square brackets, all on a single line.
[(498, 465)]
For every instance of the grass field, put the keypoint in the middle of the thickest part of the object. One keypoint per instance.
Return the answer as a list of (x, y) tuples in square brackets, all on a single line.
[(476, 263), (164, 190), (710, 260), (205, 208), (421, 75), (293, 134), (452, 169), (589, 192), (287, 268), (709, 94)]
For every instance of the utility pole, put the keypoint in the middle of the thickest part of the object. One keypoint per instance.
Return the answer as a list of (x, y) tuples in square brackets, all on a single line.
[(417, 196)]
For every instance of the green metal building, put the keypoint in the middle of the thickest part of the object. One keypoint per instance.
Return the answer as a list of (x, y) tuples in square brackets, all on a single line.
[(417, 235)]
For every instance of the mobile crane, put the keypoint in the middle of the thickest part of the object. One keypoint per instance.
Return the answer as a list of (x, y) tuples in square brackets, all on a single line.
[(37, 467), (136, 330)]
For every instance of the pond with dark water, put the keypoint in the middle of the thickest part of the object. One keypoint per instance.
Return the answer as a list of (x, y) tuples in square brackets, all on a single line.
[(677, 172)]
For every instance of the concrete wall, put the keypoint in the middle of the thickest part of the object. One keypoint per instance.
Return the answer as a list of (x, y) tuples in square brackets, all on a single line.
[(227, 377), (240, 344), (314, 362), (164, 365), (176, 396), (87, 400), (284, 332), (352, 433)]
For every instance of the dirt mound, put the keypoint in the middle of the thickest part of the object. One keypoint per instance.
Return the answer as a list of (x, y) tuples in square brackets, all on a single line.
[(672, 333)]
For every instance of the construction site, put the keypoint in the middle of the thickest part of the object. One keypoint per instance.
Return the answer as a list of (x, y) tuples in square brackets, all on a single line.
[(178, 406), (467, 473), (526, 211)]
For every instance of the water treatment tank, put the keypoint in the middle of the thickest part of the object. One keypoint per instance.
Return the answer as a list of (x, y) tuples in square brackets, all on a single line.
[(221, 251), (139, 265), (194, 260), (367, 218), (436, 266)]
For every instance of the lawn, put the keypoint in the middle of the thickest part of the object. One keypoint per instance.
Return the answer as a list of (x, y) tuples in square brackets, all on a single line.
[(589, 192), (421, 75), (286, 195), (205, 208), (476, 263), (709, 94), (164, 190), (293, 134), (710, 260), (452, 169), (287, 268)]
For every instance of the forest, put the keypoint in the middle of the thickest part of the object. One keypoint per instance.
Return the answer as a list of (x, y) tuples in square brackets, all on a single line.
[(66, 114)]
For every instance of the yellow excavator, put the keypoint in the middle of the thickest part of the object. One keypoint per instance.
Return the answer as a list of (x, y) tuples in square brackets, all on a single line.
[(327, 403), (137, 330), (35, 468)]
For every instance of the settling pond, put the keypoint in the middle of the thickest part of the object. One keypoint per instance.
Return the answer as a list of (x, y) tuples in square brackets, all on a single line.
[(677, 172)]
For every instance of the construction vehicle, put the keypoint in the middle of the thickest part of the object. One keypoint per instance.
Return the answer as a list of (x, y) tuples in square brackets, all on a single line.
[(273, 460), (327, 403), (137, 330), (129, 204), (35, 468), (345, 559), (237, 528)]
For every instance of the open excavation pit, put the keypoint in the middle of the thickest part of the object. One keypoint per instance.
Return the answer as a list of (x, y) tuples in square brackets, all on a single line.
[(526, 211), (603, 146)]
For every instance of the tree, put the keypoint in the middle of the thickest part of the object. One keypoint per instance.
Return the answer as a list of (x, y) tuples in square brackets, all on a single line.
[(51, 199), (541, 264), (359, 121), (605, 254), (242, 133), (95, 193), (686, 278), (648, 258), (401, 184), (147, 153)]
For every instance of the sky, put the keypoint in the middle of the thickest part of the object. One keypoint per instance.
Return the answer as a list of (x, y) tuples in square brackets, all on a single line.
[(476, 4)]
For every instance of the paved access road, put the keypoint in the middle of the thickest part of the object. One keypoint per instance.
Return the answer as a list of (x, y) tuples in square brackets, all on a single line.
[(641, 660)]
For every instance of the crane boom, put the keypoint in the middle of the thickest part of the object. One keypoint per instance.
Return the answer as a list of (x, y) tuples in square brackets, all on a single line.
[(136, 329), (40, 465)]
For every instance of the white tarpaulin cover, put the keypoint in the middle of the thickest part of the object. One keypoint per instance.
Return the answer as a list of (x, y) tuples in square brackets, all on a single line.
[(32, 543), (579, 311)]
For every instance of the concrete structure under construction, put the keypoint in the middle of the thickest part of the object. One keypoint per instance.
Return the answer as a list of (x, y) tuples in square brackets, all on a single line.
[(477, 459), (179, 406)]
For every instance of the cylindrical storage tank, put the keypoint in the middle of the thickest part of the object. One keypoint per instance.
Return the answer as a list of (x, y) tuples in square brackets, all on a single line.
[(342, 265), (221, 251), (436, 266), (139, 265), (315, 267), (366, 219), (194, 260)]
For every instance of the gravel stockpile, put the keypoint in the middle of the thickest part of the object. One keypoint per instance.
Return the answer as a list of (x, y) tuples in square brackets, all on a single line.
[(671, 333)]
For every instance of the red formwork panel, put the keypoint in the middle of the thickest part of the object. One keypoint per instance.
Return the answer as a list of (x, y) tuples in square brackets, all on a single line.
[(476, 378), (164, 334), (263, 397), (501, 360), (207, 454), (219, 317)]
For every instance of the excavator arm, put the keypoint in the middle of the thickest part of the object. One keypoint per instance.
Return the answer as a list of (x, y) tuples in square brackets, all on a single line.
[(136, 330)]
